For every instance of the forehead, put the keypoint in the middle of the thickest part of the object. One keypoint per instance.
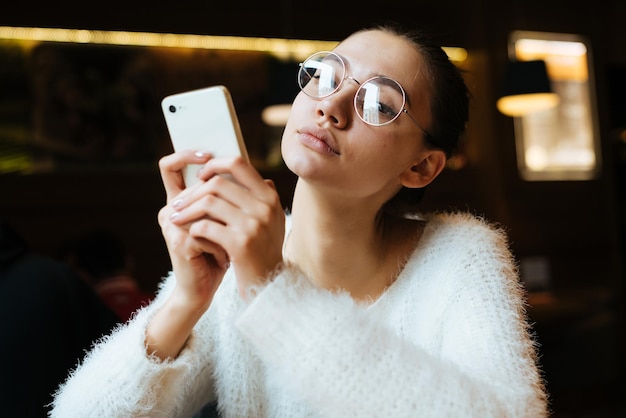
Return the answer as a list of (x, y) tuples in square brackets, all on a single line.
[(380, 53)]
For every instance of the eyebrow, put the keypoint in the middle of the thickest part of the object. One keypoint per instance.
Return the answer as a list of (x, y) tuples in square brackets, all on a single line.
[(347, 63), (348, 68)]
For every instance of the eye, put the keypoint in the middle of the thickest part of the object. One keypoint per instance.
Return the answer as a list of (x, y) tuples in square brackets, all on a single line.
[(321, 74), (387, 112), (309, 74), (378, 101)]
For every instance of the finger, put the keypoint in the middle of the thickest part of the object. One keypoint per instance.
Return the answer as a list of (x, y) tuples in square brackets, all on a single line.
[(206, 206), (206, 191), (217, 252), (171, 167), (232, 227), (270, 183), (253, 197), (241, 171), (208, 234), (223, 201), (181, 241)]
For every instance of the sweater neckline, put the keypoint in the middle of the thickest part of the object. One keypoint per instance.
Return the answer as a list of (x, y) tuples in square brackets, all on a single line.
[(404, 275), (413, 258)]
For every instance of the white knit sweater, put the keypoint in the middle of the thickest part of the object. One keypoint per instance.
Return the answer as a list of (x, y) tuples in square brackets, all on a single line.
[(448, 339)]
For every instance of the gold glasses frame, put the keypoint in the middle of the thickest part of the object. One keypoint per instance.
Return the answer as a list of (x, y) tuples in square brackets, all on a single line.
[(356, 94)]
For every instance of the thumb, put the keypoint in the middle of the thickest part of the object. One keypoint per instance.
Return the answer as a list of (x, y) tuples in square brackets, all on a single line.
[(270, 183)]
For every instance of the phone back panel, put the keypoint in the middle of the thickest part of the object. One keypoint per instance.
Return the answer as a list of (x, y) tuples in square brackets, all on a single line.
[(204, 120)]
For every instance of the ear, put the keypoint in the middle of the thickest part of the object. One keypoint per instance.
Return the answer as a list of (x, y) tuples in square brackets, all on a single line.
[(424, 171)]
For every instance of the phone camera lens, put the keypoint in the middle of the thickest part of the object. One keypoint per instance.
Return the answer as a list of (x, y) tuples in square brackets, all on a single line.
[(172, 108)]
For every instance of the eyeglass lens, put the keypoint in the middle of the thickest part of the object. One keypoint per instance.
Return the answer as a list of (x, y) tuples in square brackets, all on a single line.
[(378, 101)]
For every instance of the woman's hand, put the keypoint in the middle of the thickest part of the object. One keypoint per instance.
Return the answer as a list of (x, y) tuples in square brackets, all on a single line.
[(206, 226), (232, 214), (199, 264)]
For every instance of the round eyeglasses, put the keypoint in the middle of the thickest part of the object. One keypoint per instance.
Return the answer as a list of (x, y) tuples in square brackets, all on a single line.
[(378, 101)]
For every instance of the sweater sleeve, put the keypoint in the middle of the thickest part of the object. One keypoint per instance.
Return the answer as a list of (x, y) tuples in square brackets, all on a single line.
[(344, 360), (118, 379)]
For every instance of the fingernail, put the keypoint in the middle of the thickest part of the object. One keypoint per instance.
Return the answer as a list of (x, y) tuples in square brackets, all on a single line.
[(199, 154), (174, 215), (177, 203)]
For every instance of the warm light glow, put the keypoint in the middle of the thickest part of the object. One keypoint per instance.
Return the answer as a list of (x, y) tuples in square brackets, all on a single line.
[(561, 143), (523, 104), (276, 115), (540, 158), (536, 158), (297, 49), (577, 158), (543, 47), (282, 48), (455, 54), (565, 60)]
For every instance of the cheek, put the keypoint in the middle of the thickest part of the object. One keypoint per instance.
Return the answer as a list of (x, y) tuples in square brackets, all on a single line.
[(386, 155), (302, 112), (376, 160), (301, 106), (289, 147), (374, 148), (284, 146)]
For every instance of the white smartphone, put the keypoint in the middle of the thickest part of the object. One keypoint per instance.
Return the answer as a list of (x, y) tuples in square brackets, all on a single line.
[(203, 120)]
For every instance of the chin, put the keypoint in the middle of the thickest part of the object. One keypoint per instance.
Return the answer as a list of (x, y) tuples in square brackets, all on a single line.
[(301, 160), (296, 165)]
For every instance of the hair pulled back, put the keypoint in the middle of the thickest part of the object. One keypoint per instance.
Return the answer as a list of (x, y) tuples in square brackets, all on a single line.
[(449, 104)]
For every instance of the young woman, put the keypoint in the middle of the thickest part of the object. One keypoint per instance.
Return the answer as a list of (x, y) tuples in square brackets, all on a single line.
[(352, 305)]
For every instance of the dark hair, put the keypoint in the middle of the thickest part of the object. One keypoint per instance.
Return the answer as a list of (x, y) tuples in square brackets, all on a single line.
[(449, 105)]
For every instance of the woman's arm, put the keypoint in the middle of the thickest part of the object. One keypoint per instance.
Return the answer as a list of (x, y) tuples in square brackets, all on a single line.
[(206, 227), (152, 366), (199, 264)]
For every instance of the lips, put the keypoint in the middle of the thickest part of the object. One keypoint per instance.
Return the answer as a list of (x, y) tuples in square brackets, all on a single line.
[(319, 139)]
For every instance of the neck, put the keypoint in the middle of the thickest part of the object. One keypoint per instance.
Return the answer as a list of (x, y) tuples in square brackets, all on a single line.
[(342, 243)]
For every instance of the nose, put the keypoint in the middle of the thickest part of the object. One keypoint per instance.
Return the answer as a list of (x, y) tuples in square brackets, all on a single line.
[(338, 108)]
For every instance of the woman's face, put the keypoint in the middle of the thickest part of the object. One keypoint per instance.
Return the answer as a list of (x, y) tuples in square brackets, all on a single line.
[(326, 143)]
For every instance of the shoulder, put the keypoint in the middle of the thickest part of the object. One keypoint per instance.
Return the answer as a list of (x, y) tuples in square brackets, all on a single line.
[(467, 242), (464, 227), (472, 255)]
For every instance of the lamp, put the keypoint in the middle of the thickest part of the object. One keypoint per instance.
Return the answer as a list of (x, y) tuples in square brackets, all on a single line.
[(526, 89)]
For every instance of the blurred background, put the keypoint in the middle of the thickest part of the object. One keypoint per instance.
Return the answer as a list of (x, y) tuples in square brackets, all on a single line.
[(81, 132)]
